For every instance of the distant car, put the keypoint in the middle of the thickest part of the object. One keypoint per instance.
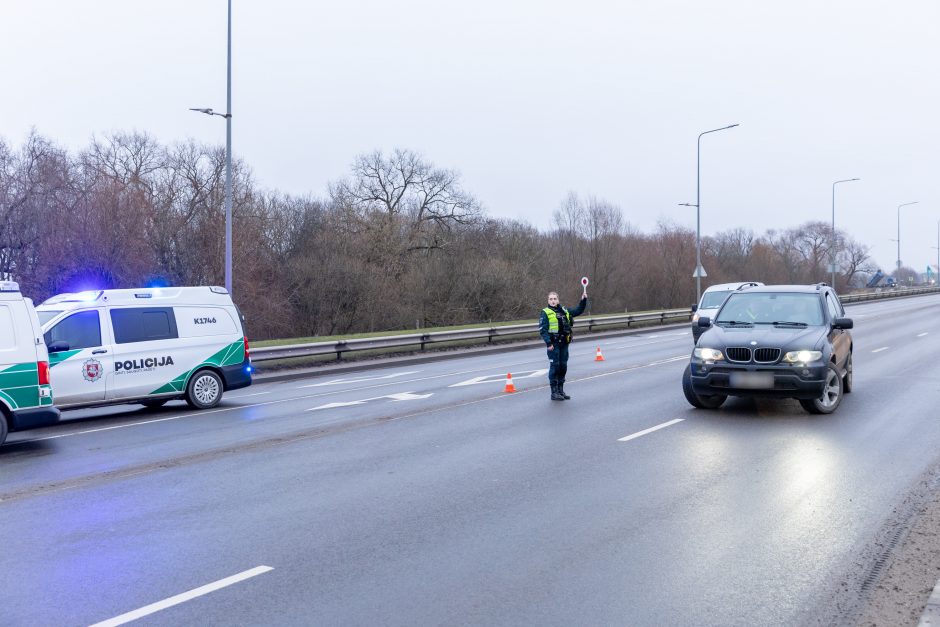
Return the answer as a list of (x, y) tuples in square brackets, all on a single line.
[(782, 341), (711, 301), (891, 282)]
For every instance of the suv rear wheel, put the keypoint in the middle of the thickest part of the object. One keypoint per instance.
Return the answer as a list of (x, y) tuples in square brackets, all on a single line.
[(3, 427), (847, 378), (831, 396), (700, 402)]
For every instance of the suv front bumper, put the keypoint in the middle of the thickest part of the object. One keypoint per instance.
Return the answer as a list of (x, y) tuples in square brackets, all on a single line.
[(782, 380)]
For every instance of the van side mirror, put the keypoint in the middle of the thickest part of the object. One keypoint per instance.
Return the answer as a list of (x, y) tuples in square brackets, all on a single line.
[(842, 323), (58, 347), (704, 322), (694, 307)]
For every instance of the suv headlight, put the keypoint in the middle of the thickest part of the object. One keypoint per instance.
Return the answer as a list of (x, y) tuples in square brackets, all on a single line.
[(802, 357), (695, 317), (708, 354)]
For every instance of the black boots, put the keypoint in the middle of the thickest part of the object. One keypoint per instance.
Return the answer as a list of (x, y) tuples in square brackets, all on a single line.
[(558, 391)]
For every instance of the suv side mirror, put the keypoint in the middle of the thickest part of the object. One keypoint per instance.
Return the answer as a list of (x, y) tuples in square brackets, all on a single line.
[(842, 323), (704, 322), (58, 347), (694, 307)]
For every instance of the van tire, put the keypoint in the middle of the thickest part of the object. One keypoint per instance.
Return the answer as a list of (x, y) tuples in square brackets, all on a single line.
[(154, 403), (3, 426), (204, 390)]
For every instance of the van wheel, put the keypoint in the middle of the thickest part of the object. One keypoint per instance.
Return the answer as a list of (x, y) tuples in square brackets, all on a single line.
[(699, 402), (204, 390), (831, 396), (3, 428), (154, 403)]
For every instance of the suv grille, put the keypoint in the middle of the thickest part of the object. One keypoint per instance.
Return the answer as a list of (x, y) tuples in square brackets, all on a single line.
[(766, 355), (739, 354)]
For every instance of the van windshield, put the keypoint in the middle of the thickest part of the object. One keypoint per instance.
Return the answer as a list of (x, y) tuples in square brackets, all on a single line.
[(46, 316)]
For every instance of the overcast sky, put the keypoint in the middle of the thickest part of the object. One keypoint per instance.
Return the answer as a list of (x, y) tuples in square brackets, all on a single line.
[(527, 99)]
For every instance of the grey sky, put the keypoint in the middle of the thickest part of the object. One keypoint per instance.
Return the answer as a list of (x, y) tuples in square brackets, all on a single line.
[(527, 99)]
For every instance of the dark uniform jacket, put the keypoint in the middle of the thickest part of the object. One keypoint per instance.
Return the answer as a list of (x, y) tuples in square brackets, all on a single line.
[(564, 327)]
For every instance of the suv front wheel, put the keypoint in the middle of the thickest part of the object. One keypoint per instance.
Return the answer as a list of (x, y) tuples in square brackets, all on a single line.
[(831, 396), (700, 402)]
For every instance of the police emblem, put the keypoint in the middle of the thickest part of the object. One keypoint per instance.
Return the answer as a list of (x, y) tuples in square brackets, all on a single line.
[(92, 370)]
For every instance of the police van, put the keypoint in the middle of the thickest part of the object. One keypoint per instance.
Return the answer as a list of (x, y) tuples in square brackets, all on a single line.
[(146, 346), (25, 393)]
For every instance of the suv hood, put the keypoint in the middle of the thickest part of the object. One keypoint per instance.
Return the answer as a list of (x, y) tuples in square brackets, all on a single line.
[(766, 336)]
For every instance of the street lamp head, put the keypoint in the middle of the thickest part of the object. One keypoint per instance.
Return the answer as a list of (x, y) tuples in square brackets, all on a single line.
[(206, 111), (687, 204)]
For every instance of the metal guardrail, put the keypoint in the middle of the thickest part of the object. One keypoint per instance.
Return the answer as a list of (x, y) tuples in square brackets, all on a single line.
[(269, 353)]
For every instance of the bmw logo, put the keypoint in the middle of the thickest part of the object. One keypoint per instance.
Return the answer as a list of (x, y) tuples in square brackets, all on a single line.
[(753, 343)]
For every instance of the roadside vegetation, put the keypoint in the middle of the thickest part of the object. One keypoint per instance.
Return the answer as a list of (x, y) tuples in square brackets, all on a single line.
[(398, 244)]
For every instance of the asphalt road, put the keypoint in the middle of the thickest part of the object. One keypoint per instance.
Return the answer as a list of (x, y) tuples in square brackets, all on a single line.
[(425, 495)]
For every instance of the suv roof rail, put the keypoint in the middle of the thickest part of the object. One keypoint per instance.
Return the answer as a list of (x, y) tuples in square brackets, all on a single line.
[(821, 284), (747, 285)]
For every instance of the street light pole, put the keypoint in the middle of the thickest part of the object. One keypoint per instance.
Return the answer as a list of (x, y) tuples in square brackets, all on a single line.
[(698, 211), (832, 255), (228, 160), (899, 229), (228, 156)]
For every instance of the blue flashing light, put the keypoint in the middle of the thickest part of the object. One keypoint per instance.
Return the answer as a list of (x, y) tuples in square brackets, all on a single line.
[(248, 369), (88, 296)]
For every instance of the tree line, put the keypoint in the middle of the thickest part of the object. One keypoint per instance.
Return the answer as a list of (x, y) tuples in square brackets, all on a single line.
[(397, 243)]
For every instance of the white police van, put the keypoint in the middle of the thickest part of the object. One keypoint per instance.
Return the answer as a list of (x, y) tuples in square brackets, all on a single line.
[(25, 393), (147, 346)]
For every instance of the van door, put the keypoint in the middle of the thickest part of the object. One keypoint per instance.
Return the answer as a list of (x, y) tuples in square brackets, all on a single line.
[(80, 358), (146, 350)]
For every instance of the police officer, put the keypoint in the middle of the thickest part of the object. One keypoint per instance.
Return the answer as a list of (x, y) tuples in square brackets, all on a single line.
[(555, 329)]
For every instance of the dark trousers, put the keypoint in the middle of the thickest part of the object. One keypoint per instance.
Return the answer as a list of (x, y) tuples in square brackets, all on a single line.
[(558, 363)]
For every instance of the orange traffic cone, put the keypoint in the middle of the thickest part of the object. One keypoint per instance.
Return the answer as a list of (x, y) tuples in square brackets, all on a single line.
[(600, 355), (510, 387)]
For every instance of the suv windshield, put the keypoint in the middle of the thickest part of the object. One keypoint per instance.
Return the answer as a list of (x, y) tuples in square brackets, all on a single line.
[(713, 300), (772, 308)]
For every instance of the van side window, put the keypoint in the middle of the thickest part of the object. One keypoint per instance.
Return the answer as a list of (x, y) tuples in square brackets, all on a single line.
[(141, 324), (80, 330)]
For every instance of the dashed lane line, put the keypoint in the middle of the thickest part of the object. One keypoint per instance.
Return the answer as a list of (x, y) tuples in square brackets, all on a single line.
[(640, 434), (883, 348), (922, 334), (182, 598)]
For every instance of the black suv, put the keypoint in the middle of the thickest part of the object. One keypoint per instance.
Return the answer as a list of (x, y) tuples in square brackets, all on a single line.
[(783, 341)]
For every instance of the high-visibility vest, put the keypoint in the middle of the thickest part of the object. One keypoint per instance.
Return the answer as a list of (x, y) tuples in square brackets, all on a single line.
[(553, 319)]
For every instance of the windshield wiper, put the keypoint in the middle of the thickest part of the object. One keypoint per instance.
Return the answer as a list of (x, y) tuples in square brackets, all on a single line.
[(735, 323), (786, 323)]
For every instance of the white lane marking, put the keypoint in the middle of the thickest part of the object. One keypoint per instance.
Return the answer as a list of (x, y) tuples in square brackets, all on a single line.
[(640, 434), (182, 598), (499, 378), (254, 394), (922, 334), (401, 396), (883, 348), (358, 379), (300, 398)]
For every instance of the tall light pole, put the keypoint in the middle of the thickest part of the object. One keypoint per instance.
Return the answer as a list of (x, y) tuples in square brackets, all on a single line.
[(228, 157), (899, 229), (832, 253), (699, 270)]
